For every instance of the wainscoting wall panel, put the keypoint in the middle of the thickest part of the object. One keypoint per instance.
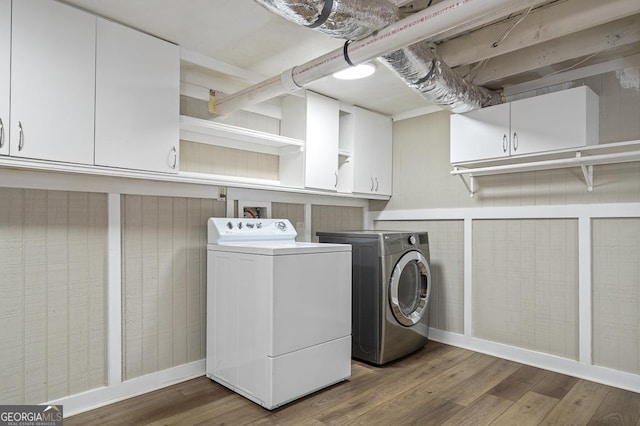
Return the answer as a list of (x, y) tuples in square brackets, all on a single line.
[(293, 212), (525, 284), (616, 293), (164, 281), (53, 274), (335, 218)]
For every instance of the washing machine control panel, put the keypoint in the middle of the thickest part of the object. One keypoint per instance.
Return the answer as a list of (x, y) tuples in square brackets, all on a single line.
[(222, 230)]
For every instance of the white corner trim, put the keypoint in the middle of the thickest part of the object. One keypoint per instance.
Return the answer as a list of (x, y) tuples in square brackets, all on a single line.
[(114, 292), (468, 278), (95, 398), (585, 312)]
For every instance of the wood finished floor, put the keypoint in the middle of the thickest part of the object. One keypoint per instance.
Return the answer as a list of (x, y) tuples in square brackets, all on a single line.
[(437, 385)]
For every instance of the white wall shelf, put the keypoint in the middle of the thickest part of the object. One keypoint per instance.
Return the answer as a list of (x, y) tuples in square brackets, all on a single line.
[(220, 134), (584, 157)]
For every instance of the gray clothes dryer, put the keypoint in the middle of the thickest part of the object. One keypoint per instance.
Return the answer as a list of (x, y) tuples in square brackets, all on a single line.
[(391, 285)]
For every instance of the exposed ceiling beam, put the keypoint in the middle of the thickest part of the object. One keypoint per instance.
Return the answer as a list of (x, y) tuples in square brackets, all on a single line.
[(195, 58), (578, 45), (543, 24), (473, 24), (630, 62)]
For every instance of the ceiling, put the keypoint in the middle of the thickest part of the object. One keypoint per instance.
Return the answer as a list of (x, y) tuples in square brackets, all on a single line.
[(241, 38)]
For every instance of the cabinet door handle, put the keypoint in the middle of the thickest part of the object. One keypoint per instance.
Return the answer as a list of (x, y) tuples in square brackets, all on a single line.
[(336, 185), (1, 133), (175, 157), (371, 184), (20, 136), (505, 143), (376, 184), (515, 141)]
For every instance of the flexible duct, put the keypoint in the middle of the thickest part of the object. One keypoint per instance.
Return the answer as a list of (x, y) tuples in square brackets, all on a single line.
[(426, 24), (421, 69), (417, 65), (348, 19)]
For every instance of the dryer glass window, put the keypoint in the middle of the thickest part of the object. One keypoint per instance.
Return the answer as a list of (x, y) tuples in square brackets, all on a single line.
[(410, 288)]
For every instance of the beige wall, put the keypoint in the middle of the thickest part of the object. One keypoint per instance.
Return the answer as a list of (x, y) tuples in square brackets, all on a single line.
[(163, 281), (446, 247), (335, 218), (218, 160), (53, 310), (293, 212), (525, 284), (421, 168), (616, 293), (54, 271), (524, 270)]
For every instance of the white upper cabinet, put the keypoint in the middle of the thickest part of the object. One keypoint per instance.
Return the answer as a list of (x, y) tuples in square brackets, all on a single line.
[(316, 120), (5, 73), (372, 135), (555, 121), (52, 81), (558, 120), (483, 133), (137, 100)]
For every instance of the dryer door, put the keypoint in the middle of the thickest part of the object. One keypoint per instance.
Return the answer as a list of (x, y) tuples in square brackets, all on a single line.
[(410, 288)]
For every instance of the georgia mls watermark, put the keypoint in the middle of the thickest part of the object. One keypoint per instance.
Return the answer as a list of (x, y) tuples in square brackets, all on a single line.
[(30, 415)]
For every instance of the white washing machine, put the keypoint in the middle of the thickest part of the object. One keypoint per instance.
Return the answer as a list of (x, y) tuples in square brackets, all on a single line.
[(278, 311)]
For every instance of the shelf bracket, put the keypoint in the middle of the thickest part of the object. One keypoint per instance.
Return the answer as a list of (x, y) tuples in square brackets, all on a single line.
[(587, 172), (469, 185)]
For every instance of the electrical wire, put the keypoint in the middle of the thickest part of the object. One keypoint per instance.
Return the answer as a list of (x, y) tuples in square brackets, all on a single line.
[(475, 70), (508, 31), (583, 60)]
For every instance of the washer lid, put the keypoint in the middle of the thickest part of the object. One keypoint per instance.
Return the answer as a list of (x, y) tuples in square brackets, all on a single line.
[(227, 230)]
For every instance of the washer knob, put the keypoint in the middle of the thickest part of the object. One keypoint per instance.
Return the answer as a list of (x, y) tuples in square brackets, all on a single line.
[(412, 240), (281, 226), (229, 225)]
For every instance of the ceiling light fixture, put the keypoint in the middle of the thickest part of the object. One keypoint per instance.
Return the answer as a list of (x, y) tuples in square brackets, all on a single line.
[(354, 73)]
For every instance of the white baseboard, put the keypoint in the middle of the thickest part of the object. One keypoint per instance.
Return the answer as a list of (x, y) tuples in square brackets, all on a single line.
[(100, 397), (594, 373)]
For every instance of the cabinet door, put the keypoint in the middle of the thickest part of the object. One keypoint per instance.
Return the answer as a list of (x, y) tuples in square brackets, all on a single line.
[(558, 120), (52, 82), (5, 73), (372, 152), (322, 136), (480, 134), (137, 100)]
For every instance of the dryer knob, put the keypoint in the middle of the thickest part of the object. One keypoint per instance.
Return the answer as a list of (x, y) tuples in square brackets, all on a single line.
[(412, 240)]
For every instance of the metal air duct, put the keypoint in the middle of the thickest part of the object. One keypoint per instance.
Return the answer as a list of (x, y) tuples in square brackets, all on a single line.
[(417, 65), (347, 19), (426, 24)]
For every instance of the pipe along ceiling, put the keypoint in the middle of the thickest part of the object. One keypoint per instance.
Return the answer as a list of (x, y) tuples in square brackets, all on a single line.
[(417, 64), (374, 28)]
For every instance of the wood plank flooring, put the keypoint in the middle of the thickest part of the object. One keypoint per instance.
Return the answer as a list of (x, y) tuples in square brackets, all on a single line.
[(438, 385)]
